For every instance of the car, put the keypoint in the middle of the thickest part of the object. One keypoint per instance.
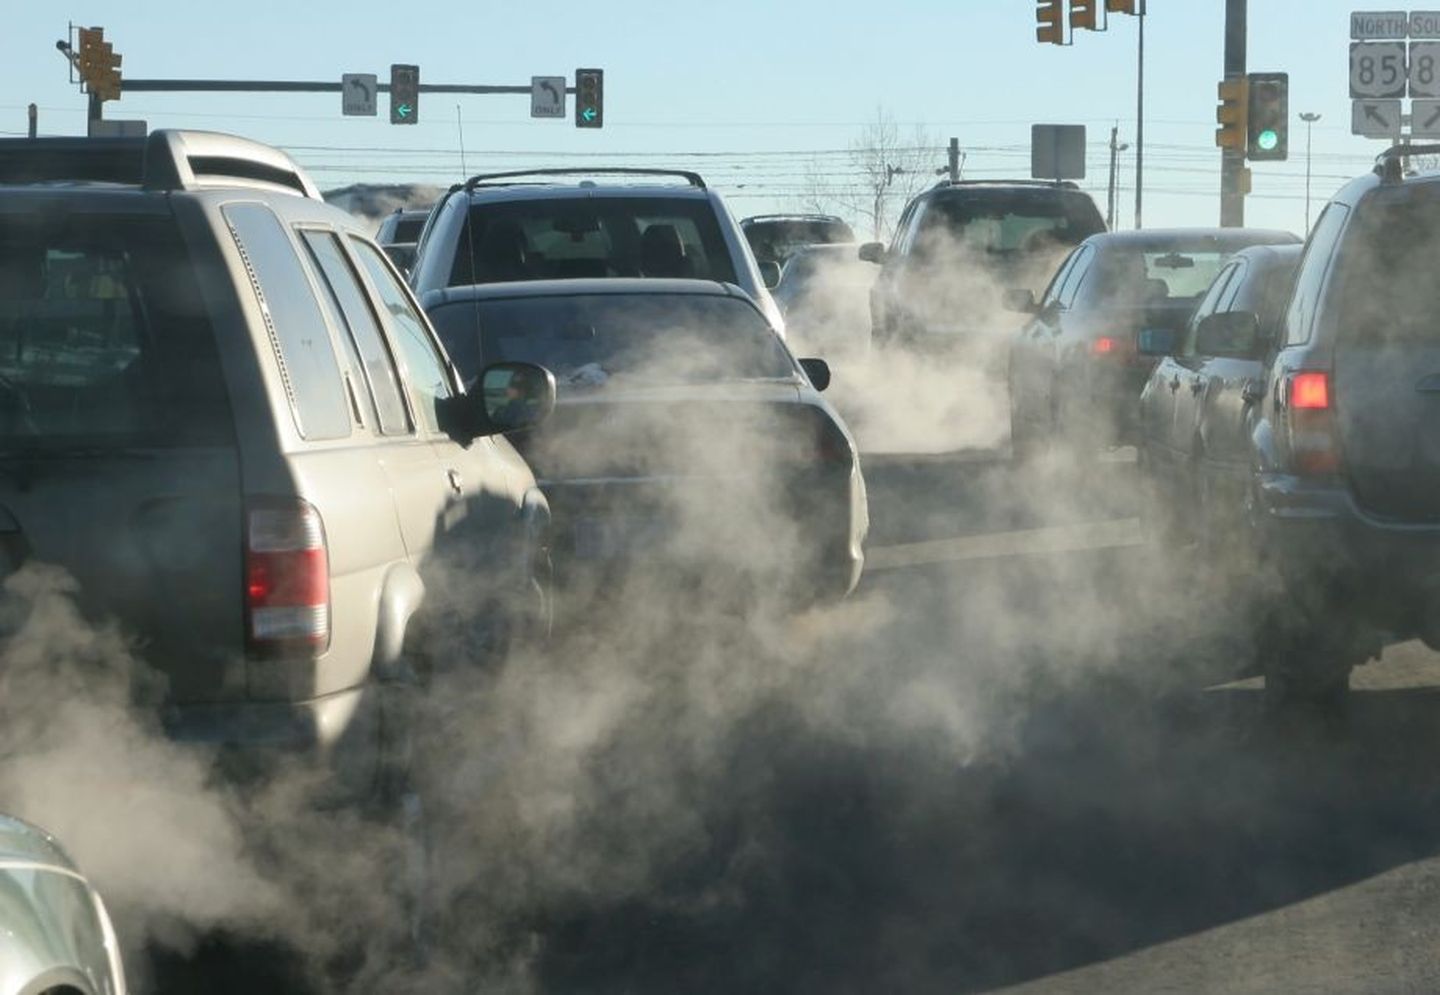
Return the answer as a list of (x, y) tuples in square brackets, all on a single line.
[(776, 237), (824, 293), (684, 429), (225, 415), (56, 937), (1075, 368), (1342, 502), (957, 247), (1194, 409), (531, 225), (398, 234)]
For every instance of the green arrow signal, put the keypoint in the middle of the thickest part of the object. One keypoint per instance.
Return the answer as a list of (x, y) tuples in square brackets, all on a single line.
[(404, 110), (588, 113)]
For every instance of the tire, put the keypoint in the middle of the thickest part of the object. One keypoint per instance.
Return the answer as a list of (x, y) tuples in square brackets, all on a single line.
[(1306, 660)]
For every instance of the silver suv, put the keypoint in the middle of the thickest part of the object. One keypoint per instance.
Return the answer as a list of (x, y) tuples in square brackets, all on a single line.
[(528, 225), (222, 411)]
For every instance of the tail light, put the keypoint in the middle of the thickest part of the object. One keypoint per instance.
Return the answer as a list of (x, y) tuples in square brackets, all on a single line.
[(1311, 423), (287, 578), (1105, 345)]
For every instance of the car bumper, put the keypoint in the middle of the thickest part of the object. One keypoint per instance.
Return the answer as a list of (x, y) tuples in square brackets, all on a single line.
[(341, 732), (1321, 539)]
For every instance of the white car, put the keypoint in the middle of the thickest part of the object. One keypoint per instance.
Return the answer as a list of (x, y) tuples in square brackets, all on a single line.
[(55, 935)]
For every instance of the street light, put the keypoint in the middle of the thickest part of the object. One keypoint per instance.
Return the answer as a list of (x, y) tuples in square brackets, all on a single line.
[(1309, 120)]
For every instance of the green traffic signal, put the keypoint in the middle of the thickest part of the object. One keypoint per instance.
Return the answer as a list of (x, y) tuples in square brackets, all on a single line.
[(1267, 139)]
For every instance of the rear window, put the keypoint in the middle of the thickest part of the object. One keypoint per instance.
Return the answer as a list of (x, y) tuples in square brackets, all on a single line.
[(1130, 278), (591, 237), (1385, 272), (407, 229), (1013, 222), (104, 337), (586, 340), (779, 239)]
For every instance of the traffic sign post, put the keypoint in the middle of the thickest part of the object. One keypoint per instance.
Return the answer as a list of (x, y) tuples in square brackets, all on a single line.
[(1366, 25), (547, 96), (1057, 151), (357, 94), (1377, 69), (1424, 69)]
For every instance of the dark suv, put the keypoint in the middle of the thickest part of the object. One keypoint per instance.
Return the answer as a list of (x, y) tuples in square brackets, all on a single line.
[(959, 246), (1344, 495), (222, 412), (776, 237)]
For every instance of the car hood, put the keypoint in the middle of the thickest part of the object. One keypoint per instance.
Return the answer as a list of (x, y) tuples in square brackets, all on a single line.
[(23, 843)]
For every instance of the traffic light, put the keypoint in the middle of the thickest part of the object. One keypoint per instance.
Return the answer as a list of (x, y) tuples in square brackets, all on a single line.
[(1231, 113), (1049, 22), (1120, 6), (404, 94), (1267, 129), (1084, 14), (99, 65), (589, 98)]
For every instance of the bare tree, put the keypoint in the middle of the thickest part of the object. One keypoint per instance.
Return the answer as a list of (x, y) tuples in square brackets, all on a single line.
[(882, 170)]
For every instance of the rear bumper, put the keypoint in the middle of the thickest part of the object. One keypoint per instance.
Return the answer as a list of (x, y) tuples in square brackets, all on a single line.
[(340, 731), (1386, 571)]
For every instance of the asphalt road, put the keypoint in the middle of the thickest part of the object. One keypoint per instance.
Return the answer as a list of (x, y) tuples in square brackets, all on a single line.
[(1019, 761)]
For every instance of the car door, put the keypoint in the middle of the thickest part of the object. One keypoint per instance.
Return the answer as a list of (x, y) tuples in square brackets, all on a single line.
[(476, 523), (1059, 331), (1194, 371), (886, 310), (1024, 348)]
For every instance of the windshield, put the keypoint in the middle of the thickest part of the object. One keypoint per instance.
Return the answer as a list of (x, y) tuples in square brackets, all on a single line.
[(587, 340), (779, 239), (103, 337), (1386, 271), (1128, 277), (562, 238), (1010, 224)]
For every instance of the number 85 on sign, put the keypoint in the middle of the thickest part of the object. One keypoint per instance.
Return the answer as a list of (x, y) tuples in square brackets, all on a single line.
[(1425, 69), (1377, 69)]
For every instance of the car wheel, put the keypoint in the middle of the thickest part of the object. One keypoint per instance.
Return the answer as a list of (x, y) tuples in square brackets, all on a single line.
[(1306, 661)]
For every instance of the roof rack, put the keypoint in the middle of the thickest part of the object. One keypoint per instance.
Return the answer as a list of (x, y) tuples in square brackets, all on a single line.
[(165, 160), (792, 216), (693, 179), (1051, 184), (1387, 163)]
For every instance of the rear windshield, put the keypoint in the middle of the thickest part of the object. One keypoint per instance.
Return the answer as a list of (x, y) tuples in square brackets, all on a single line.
[(777, 240), (104, 338), (586, 340), (592, 237), (407, 229), (1385, 273), (1127, 277), (1011, 223)]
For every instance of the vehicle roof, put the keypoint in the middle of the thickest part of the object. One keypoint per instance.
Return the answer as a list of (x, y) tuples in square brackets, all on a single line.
[(1191, 238), (617, 286), (1271, 255), (1032, 186), (573, 191), (20, 841), (800, 216)]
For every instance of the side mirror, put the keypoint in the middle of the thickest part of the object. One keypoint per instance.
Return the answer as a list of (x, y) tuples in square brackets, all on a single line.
[(1157, 341), (872, 252), (506, 397), (1020, 301), (818, 371), (770, 274), (1230, 333)]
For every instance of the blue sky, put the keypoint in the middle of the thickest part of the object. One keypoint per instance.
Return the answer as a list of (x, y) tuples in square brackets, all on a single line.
[(771, 87)]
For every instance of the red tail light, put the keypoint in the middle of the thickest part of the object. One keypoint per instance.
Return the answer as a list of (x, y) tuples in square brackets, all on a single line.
[(1313, 445), (287, 578), (1104, 346)]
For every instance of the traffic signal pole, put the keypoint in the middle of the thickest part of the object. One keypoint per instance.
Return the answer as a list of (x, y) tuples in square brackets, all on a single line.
[(1140, 117), (1232, 161)]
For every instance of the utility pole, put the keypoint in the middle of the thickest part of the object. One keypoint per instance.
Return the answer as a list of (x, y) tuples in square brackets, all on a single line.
[(1116, 147), (1309, 120), (954, 160), (1232, 161), (1140, 117), (33, 113)]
